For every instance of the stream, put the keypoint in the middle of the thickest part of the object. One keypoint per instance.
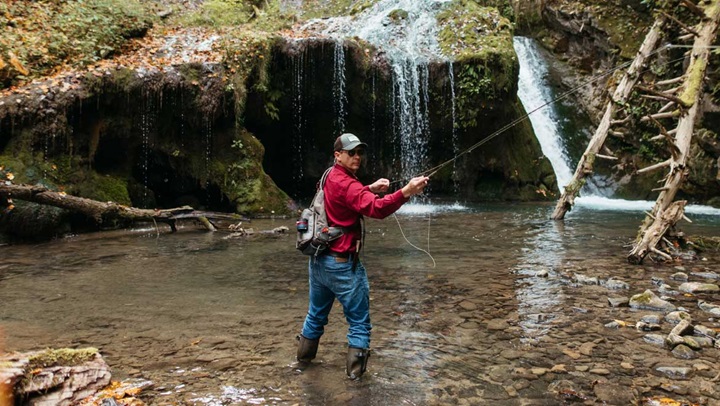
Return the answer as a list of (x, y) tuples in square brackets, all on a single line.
[(212, 320)]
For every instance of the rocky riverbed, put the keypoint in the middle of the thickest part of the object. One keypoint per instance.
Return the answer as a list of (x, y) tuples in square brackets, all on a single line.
[(519, 310)]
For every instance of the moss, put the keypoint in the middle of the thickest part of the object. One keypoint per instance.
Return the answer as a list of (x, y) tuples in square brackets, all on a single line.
[(643, 298), (398, 15), (104, 188), (694, 82), (61, 357)]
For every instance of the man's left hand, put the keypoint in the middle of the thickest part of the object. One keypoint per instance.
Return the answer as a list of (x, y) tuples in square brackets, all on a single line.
[(380, 186)]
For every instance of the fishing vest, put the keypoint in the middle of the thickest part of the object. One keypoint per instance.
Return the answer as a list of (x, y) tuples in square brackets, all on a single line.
[(313, 232)]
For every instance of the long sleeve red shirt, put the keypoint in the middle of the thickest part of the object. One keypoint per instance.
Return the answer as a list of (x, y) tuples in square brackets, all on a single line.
[(346, 199)]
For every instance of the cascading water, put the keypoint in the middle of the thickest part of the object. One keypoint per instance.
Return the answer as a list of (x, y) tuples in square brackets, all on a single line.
[(534, 92), (339, 87), (298, 80), (406, 31)]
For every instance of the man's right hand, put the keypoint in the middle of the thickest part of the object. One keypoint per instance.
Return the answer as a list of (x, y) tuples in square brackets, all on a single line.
[(415, 186)]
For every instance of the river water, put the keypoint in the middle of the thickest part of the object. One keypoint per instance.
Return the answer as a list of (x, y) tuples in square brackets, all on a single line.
[(211, 320)]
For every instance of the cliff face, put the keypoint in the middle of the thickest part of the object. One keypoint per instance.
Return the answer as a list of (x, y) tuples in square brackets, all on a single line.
[(588, 39)]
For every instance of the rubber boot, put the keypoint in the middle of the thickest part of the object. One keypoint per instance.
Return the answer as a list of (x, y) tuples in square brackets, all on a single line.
[(357, 359), (307, 349)]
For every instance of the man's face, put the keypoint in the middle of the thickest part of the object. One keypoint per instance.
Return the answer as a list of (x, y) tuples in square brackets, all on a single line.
[(350, 159)]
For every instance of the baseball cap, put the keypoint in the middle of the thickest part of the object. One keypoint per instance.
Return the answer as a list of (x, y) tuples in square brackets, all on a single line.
[(347, 142)]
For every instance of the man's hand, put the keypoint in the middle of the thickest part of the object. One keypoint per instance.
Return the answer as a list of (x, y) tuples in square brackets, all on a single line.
[(380, 186), (415, 186)]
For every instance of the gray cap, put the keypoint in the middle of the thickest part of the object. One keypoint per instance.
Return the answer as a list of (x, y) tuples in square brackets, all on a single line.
[(347, 142)]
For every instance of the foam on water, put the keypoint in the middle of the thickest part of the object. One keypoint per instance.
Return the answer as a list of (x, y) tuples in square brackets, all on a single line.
[(425, 208)]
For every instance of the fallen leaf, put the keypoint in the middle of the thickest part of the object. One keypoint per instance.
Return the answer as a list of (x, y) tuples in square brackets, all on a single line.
[(15, 62)]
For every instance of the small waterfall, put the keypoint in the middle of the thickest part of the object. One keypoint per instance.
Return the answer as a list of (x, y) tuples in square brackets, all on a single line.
[(455, 144), (406, 31), (533, 93), (298, 63), (339, 87)]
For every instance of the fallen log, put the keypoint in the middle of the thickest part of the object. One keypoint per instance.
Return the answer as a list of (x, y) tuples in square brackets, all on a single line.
[(102, 212), (54, 377), (653, 235)]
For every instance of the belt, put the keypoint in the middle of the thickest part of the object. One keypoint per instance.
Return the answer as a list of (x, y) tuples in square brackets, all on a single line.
[(345, 255)]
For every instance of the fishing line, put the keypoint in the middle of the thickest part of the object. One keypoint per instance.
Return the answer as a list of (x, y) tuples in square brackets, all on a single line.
[(413, 245)]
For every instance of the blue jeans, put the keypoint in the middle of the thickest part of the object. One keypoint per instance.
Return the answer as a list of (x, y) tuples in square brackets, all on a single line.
[(330, 279)]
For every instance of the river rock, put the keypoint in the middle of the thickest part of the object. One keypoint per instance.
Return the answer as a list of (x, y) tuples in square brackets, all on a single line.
[(679, 276), (684, 352), (675, 372), (704, 331), (709, 307), (706, 275), (683, 327), (612, 394), (497, 324), (616, 284), (618, 301), (699, 287), (642, 326), (650, 319), (648, 300), (467, 305), (656, 339), (676, 317), (543, 273), (586, 280)]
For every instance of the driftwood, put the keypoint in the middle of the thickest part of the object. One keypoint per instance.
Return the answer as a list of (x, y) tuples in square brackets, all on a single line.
[(101, 212), (53, 377), (653, 235), (619, 97), (691, 96)]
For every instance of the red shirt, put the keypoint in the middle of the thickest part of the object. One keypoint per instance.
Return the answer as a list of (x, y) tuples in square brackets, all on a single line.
[(346, 199)]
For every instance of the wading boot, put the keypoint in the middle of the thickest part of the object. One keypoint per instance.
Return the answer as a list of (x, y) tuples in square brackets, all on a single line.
[(357, 359), (307, 349)]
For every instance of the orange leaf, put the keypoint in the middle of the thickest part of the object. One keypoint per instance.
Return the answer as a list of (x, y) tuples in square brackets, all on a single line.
[(15, 62), (2, 63)]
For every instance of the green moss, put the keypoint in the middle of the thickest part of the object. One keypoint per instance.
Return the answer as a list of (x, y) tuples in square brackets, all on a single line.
[(643, 298), (104, 188), (398, 15), (61, 357)]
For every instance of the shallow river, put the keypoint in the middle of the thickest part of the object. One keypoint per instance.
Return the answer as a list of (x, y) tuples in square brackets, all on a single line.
[(212, 320)]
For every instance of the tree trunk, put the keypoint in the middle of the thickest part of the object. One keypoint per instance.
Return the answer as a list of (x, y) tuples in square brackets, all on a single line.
[(101, 212), (691, 95), (620, 96)]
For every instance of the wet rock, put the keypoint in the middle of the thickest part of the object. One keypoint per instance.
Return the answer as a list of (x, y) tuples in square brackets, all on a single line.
[(700, 367), (586, 280), (704, 342), (497, 324), (627, 366), (582, 368), (650, 319), (470, 325), (543, 273), (683, 327), (657, 281), (693, 342), (618, 301), (538, 371), (500, 373), (706, 275), (600, 371), (570, 353), (648, 300), (558, 369), (679, 276), (684, 352), (709, 307), (701, 330), (586, 348), (612, 394), (655, 339), (468, 305), (675, 372), (699, 287), (616, 284), (676, 317), (616, 324), (665, 288), (511, 354), (642, 326)]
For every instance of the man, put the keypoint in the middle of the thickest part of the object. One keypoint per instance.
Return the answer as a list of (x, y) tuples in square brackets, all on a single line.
[(337, 272)]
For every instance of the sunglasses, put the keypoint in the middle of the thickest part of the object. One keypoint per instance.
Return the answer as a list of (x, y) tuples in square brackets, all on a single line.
[(352, 152)]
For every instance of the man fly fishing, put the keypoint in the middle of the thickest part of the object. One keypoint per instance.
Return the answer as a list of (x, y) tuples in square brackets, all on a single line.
[(337, 271)]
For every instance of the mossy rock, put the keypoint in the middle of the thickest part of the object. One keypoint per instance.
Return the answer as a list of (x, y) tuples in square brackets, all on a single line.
[(398, 15), (61, 357)]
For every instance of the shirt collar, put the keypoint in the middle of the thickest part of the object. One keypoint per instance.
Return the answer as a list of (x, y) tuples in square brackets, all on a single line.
[(346, 170)]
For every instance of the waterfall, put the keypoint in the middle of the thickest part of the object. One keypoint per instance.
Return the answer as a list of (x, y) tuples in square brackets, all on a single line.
[(534, 91), (406, 31), (298, 63), (339, 87)]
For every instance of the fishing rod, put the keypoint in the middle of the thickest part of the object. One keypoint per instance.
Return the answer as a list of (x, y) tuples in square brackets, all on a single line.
[(433, 170)]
